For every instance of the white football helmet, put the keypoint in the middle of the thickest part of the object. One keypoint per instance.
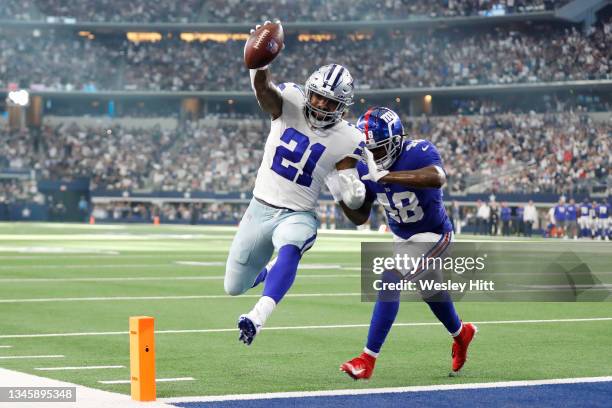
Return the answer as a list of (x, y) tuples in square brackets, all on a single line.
[(334, 82)]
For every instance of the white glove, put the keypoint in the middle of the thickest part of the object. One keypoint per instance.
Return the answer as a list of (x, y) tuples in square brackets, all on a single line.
[(353, 190), (345, 186), (333, 184), (374, 173)]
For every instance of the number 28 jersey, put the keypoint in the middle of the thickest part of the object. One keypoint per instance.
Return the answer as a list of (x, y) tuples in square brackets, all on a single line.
[(411, 211), (297, 158)]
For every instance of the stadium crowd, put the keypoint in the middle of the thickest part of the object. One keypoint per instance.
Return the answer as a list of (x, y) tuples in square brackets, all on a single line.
[(240, 11), (386, 60), (523, 153)]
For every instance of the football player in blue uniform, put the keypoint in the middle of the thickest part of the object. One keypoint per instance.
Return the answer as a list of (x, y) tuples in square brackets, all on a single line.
[(406, 178)]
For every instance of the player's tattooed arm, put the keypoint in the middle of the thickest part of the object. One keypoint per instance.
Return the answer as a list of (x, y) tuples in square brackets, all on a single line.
[(427, 177), (267, 93), (358, 216)]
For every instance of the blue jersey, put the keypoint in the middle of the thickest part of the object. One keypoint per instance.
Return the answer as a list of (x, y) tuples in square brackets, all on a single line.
[(584, 209), (602, 211), (506, 214), (560, 212), (410, 210), (570, 212)]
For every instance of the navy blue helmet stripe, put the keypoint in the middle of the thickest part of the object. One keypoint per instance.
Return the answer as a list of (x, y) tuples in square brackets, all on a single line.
[(331, 71), (335, 84)]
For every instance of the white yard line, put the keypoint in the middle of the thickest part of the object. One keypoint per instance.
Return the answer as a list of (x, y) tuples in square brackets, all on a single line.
[(178, 297), (368, 391), (85, 397), (154, 278), (29, 357), (313, 327), (77, 368), (156, 380), (5, 347)]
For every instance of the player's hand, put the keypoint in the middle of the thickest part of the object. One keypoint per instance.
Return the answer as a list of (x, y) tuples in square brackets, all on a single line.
[(374, 173), (353, 190), (276, 21)]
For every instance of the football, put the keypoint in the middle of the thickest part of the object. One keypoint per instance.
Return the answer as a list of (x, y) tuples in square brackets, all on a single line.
[(263, 45)]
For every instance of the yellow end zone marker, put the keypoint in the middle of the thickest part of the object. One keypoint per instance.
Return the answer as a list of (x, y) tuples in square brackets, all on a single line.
[(142, 358)]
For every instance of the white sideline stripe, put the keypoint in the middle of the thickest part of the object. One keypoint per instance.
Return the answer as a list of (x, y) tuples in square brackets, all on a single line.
[(19, 357), (153, 278), (186, 297), (77, 368), (367, 391), (333, 326), (6, 347), (156, 380), (86, 397)]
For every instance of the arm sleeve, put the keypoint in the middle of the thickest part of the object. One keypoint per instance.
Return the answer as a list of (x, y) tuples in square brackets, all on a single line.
[(362, 169), (293, 99)]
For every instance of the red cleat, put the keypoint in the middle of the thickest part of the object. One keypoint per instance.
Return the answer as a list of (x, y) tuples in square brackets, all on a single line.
[(359, 368), (461, 344)]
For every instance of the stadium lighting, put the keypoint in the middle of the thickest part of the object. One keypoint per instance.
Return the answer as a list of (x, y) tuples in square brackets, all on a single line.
[(19, 98)]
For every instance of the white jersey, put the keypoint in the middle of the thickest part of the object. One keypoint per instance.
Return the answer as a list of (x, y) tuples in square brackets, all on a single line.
[(297, 158)]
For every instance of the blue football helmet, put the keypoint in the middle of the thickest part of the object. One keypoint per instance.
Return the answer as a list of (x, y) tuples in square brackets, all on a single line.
[(382, 127)]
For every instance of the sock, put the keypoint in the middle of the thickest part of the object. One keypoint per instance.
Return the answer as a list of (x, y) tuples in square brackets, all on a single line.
[(442, 306), (263, 309), (282, 274), (264, 272), (383, 316)]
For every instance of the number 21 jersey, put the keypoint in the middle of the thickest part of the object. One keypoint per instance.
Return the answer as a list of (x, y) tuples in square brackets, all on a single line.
[(297, 158)]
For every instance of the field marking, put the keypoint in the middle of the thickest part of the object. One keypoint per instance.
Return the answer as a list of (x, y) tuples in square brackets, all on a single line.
[(88, 266), (154, 278), (56, 250), (366, 391), (156, 380), (331, 326), (86, 397), (177, 297), (77, 368), (27, 357), (6, 347)]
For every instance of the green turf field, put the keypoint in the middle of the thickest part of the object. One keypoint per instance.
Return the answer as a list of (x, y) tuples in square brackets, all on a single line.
[(79, 279)]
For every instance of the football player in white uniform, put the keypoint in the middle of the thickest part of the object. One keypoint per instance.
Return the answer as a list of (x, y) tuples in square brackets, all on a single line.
[(308, 140)]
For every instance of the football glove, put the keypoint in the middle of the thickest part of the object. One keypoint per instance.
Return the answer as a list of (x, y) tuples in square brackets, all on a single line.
[(374, 173)]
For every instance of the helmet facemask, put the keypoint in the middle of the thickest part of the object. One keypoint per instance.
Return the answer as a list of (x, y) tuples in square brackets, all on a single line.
[(319, 118), (392, 147)]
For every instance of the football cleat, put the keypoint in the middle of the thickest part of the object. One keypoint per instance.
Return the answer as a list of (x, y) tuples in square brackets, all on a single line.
[(248, 329), (461, 344), (359, 368)]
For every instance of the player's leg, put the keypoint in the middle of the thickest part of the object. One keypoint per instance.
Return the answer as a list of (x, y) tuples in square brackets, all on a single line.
[(250, 250), (441, 303), (294, 233), (383, 316)]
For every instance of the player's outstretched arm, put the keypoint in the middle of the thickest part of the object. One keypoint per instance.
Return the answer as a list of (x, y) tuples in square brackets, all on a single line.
[(427, 177), (358, 216), (266, 92), (259, 58)]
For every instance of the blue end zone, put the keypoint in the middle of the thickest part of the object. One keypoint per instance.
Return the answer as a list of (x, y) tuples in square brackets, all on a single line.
[(598, 394)]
